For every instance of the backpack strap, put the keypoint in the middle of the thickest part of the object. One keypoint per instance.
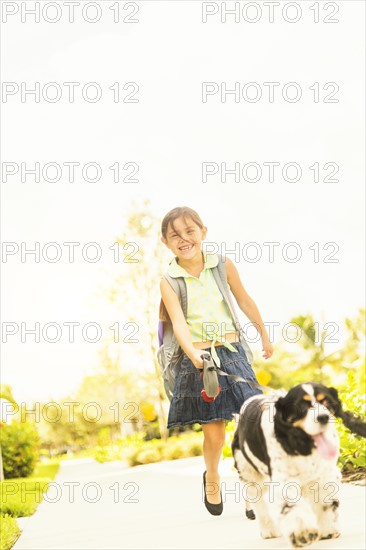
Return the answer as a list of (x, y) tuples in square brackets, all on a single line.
[(178, 284), (220, 276), (172, 349)]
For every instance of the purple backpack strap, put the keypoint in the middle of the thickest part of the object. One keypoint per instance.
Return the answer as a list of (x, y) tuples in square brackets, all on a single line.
[(160, 333)]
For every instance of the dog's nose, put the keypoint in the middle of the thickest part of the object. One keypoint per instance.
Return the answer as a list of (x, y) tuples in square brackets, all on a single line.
[(323, 418)]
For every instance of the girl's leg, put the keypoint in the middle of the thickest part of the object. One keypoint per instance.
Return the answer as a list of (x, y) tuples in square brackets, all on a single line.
[(214, 440)]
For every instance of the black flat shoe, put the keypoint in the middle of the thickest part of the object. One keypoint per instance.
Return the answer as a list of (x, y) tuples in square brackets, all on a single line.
[(214, 509), (250, 514)]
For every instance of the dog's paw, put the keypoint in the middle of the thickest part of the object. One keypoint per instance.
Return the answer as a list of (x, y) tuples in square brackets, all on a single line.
[(333, 535), (304, 538), (271, 533)]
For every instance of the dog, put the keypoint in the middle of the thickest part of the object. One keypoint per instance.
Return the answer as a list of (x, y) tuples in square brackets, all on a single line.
[(285, 449)]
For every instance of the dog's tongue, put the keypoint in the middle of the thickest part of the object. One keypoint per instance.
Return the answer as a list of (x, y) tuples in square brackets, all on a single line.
[(326, 448)]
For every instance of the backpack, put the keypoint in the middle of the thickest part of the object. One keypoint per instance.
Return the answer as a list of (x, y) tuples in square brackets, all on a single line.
[(170, 353)]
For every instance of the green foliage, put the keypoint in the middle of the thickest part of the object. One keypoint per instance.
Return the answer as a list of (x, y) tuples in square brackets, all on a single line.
[(309, 358), (151, 453), (230, 429), (155, 450), (20, 497), (136, 290), (307, 325), (20, 448), (353, 447), (123, 399), (136, 450), (6, 393), (46, 469), (9, 532)]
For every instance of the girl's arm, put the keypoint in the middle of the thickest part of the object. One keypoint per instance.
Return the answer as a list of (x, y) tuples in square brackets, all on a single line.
[(179, 323), (247, 305)]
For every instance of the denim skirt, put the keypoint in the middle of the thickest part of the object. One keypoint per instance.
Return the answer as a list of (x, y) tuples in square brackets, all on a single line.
[(187, 405)]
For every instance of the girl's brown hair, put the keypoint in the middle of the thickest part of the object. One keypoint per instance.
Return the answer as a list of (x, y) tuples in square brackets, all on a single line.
[(178, 212)]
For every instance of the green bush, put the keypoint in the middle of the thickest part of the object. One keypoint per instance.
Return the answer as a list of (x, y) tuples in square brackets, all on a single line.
[(20, 497), (353, 447), (135, 450), (146, 456), (180, 446), (230, 429), (105, 454), (48, 468), (20, 448), (9, 532), (120, 449)]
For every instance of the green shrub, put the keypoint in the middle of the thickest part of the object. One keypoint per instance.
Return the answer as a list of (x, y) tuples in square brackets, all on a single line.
[(20, 448), (181, 446), (173, 451), (48, 468), (104, 454), (230, 429), (9, 532), (146, 456), (136, 450), (189, 444), (20, 497), (353, 447), (121, 449)]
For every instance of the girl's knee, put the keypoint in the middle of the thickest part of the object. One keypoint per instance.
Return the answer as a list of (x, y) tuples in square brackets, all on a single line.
[(215, 437)]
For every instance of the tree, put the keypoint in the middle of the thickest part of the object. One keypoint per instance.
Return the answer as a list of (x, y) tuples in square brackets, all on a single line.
[(323, 366), (6, 394), (309, 360), (136, 294)]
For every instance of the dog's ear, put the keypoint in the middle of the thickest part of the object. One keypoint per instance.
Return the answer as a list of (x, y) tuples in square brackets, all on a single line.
[(333, 392), (283, 416), (354, 423), (279, 404), (293, 440), (335, 403)]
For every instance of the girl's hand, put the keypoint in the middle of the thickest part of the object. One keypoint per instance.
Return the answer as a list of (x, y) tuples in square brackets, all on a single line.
[(267, 348), (197, 359)]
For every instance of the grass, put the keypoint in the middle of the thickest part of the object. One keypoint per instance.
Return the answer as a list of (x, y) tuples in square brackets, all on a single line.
[(84, 453), (9, 532), (19, 497), (46, 469)]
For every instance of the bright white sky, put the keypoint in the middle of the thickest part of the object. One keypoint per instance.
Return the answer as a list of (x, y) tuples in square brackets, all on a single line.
[(169, 134)]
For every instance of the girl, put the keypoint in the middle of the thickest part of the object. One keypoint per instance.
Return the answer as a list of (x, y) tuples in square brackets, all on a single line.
[(183, 232)]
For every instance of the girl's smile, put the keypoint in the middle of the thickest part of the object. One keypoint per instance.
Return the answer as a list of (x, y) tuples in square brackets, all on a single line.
[(186, 248), (185, 238)]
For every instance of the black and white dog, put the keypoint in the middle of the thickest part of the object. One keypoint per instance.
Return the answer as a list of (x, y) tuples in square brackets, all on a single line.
[(285, 449)]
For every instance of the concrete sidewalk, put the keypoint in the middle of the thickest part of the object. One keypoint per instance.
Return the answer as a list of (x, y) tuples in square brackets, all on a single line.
[(159, 506)]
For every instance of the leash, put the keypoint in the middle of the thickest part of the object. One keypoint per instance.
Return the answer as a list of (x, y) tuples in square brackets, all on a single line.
[(211, 383)]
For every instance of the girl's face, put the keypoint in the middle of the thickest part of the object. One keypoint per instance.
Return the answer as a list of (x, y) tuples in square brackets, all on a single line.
[(187, 244)]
